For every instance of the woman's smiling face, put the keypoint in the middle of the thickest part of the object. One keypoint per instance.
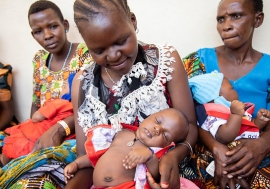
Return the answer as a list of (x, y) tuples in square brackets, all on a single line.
[(111, 40)]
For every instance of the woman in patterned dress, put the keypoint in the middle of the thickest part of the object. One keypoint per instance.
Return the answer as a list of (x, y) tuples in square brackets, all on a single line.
[(126, 82), (52, 65), (248, 70)]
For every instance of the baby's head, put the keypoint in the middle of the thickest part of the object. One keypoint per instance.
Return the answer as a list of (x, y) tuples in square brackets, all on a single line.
[(212, 87), (227, 91), (164, 127)]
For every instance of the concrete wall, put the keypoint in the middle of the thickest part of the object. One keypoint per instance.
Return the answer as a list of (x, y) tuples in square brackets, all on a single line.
[(188, 25)]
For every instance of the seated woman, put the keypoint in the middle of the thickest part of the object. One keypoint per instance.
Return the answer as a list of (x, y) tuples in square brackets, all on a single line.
[(127, 82), (248, 71), (6, 102), (20, 139), (52, 67)]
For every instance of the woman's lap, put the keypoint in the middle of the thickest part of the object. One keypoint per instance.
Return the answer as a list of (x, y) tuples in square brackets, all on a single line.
[(23, 170), (196, 170)]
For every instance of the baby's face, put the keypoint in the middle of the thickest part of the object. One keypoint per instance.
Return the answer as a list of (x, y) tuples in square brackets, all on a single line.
[(227, 90), (162, 128)]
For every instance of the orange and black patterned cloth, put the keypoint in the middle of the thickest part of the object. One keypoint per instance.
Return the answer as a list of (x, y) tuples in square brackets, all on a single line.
[(48, 84)]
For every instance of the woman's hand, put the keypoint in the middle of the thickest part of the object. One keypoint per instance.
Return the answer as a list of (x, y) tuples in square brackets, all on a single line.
[(52, 137), (151, 181), (169, 171), (244, 159), (220, 179)]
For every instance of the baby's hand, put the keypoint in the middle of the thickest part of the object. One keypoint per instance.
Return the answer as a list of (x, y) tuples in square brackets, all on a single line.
[(237, 107), (137, 156), (263, 115), (38, 117), (69, 171)]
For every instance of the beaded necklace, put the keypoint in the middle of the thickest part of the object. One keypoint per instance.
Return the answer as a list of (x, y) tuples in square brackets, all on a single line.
[(70, 46)]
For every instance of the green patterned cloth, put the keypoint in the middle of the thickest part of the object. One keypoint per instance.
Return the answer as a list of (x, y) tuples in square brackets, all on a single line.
[(33, 163)]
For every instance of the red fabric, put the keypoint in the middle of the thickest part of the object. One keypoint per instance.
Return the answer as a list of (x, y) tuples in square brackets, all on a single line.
[(22, 137), (220, 111), (55, 108), (126, 185), (95, 155)]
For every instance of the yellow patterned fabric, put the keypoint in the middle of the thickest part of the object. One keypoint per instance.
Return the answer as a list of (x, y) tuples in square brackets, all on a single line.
[(48, 84)]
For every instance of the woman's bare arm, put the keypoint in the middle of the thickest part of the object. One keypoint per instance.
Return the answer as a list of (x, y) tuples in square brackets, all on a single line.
[(83, 178), (180, 94), (77, 100)]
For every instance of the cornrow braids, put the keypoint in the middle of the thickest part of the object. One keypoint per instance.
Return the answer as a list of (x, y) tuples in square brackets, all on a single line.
[(42, 5), (88, 9)]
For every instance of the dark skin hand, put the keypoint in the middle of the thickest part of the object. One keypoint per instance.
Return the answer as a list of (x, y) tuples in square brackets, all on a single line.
[(54, 136), (246, 157), (171, 179), (219, 152)]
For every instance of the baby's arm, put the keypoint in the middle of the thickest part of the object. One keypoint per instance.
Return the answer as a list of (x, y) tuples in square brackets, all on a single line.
[(262, 118), (137, 156), (228, 131), (37, 117), (142, 155), (79, 163)]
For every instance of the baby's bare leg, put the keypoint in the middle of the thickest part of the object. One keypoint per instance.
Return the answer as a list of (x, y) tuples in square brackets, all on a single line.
[(4, 159)]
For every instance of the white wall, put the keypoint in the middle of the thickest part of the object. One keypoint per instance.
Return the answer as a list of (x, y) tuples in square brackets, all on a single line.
[(186, 24)]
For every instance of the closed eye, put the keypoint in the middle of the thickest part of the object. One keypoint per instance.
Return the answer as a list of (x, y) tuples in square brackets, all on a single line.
[(165, 136), (97, 51), (157, 121), (122, 42)]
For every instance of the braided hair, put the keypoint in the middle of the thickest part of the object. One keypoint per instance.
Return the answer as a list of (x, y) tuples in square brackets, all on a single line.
[(89, 9), (42, 5)]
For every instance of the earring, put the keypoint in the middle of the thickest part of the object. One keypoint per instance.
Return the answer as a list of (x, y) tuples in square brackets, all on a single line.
[(137, 30), (66, 31)]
